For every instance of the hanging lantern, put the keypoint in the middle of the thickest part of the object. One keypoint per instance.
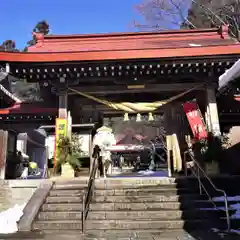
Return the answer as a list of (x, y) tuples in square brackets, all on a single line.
[(126, 117), (138, 117), (150, 117)]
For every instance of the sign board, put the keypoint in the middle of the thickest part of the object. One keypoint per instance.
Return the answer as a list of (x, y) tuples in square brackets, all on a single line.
[(85, 143), (50, 145), (195, 120), (60, 132)]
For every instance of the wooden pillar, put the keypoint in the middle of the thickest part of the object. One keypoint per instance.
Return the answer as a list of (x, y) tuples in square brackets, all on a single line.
[(207, 119), (212, 112), (176, 125), (3, 152), (63, 106), (22, 142), (172, 126), (168, 132), (69, 124)]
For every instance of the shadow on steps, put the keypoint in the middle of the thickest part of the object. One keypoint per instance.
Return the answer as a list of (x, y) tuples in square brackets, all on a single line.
[(212, 219)]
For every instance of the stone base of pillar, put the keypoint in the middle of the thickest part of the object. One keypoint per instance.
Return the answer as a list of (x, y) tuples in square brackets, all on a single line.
[(67, 171), (212, 168)]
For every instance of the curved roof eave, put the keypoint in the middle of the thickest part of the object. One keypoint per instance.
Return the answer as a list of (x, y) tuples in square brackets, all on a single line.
[(9, 94), (119, 55), (229, 76), (3, 75)]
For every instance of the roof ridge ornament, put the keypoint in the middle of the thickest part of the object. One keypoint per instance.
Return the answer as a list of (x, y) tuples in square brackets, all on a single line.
[(39, 38), (224, 31)]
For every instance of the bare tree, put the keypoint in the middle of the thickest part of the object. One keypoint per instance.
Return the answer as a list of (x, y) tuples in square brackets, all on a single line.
[(170, 14), (163, 14), (209, 13), (230, 14)]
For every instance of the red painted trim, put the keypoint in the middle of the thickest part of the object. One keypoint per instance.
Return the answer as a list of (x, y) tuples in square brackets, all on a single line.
[(237, 98), (26, 109), (119, 55), (4, 111)]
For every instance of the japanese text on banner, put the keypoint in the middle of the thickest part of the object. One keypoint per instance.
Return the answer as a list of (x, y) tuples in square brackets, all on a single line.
[(195, 120), (60, 132)]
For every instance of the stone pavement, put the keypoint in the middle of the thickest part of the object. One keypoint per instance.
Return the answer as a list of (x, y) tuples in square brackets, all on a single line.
[(167, 235), (14, 192), (173, 235)]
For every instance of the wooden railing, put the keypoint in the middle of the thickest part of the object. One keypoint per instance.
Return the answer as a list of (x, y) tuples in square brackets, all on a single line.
[(200, 174)]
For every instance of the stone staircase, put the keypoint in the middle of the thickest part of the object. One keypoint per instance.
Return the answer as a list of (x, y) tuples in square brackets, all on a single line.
[(158, 207), (161, 208), (62, 207)]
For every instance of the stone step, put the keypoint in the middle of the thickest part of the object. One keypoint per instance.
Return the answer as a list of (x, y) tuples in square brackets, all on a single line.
[(124, 224), (149, 198), (150, 224), (64, 193), (62, 207), (120, 215), (152, 214), (137, 181), (71, 215), (70, 181), (168, 234), (153, 234), (57, 225), (64, 199), (103, 186), (144, 191), (110, 206), (69, 187), (23, 235)]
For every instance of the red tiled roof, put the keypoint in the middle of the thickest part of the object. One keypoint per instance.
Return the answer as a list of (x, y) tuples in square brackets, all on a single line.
[(166, 44), (131, 41)]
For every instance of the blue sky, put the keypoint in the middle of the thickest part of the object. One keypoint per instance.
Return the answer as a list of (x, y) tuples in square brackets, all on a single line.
[(18, 17)]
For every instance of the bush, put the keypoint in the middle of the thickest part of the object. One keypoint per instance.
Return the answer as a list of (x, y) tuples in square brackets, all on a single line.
[(69, 151), (210, 149)]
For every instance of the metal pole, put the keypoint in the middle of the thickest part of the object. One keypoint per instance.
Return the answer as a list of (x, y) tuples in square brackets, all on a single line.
[(227, 213), (199, 181), (83, 211), (185, 163)]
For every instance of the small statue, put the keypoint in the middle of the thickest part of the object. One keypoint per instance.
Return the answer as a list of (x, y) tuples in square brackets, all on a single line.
[(138, 163), (104, 138), (121, 162)]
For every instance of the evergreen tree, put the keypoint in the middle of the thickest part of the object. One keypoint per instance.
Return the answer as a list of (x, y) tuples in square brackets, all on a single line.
[(41, 27), (8, 46)]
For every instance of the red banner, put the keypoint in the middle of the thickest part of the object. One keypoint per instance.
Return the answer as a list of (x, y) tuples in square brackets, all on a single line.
[(195, 120)]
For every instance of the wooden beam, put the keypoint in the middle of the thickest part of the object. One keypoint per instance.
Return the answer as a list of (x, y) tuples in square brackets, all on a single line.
[(117, 89), (82, 125)]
